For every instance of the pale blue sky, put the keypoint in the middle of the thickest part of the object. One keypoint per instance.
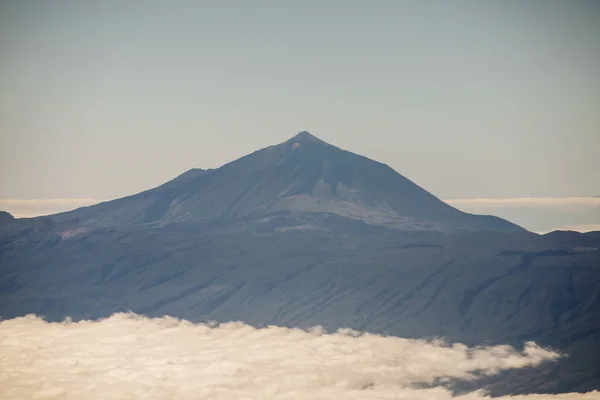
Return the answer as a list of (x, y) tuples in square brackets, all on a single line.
[(102, 99)]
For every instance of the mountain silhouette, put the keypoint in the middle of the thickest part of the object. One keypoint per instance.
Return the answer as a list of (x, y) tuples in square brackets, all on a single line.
[(303, 175)]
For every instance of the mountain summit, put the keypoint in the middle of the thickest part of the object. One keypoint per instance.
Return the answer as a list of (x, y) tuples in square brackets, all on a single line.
[(305, 136), (303, 175)]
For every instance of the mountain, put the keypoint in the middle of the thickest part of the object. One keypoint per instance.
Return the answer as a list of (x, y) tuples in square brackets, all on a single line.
[(303, 234), (303, 175)]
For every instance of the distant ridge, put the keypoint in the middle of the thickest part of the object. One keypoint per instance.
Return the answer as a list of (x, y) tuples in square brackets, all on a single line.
[(5, 217)]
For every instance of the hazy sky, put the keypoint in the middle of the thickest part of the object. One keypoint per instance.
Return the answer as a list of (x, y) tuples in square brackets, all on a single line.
[(102, 99)]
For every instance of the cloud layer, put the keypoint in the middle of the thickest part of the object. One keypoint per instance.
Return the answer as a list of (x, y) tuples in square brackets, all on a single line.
[(539, 214), (128, 356), (28, 208), (528, 201)]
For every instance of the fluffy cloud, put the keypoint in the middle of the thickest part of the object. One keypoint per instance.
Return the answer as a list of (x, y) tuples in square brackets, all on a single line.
[(35, 207), (131, 357)]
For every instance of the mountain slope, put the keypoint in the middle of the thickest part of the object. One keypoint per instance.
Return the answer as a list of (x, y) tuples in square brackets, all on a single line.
[(301, 175)]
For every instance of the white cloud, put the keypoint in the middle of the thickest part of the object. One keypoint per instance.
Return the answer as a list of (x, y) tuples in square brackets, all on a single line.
[(539, 214), (131, 357), (27, 208), (527, 202)]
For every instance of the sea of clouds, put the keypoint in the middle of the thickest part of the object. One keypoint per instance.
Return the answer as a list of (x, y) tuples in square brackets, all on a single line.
[(128, 356), (537, 214)]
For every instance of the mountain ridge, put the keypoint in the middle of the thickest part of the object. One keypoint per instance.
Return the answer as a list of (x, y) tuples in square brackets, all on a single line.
[(303, 174)]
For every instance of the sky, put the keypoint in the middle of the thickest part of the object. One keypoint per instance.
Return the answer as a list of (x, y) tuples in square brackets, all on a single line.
[(102, 99)]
